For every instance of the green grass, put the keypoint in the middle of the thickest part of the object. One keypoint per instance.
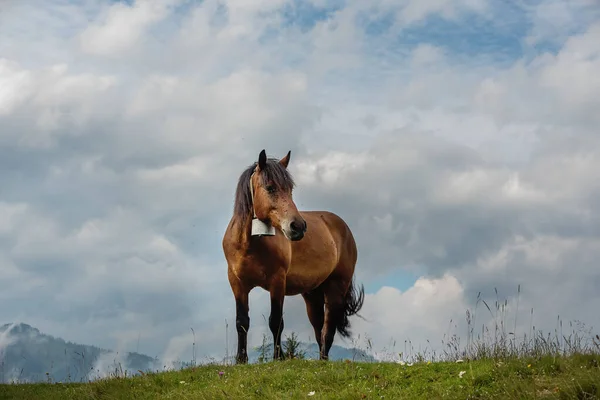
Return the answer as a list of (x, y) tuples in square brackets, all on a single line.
[(573, 377)]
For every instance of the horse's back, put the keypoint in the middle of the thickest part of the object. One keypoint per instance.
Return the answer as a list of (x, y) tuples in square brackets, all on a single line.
[(337, 227)]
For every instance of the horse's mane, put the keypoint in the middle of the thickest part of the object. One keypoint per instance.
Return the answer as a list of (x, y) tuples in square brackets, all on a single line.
[(272, 172)]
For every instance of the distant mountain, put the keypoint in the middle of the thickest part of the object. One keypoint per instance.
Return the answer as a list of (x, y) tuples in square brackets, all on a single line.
[(311, 351), (27, 355)]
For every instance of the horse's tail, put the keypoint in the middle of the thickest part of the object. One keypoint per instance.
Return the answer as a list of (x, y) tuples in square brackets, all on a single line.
[(353, 302)]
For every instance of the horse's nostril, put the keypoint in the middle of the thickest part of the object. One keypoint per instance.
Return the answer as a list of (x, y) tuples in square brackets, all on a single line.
[(298, 226)]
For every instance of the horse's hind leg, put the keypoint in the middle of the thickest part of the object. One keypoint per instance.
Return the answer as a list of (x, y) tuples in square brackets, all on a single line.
[(315, 303), (334, 294)]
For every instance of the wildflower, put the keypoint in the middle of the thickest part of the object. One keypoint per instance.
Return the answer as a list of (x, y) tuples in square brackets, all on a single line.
[(528, 365), (221, 373), (181, 382), (311, 393), (461, 373)]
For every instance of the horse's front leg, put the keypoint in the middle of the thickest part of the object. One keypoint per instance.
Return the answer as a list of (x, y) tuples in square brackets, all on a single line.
[(277, 291), (242, 319)]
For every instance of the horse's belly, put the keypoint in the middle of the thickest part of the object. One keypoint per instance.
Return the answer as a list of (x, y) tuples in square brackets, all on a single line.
[(303, 278)]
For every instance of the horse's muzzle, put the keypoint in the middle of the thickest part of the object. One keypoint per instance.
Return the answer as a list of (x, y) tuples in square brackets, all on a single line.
[(297, 229)]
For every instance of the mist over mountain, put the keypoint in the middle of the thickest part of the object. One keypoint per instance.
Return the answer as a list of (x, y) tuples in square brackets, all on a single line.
[(28, 355)]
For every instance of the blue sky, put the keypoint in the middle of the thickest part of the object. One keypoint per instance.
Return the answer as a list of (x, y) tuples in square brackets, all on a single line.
[(457, 139)]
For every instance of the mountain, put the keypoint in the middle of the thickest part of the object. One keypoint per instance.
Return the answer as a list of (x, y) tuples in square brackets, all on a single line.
[(27, 355)]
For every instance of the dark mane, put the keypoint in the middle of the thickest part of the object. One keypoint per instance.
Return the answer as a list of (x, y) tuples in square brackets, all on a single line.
[(273, 172)]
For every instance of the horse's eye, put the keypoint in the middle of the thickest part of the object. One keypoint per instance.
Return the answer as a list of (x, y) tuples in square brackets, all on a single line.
[(271, 189)]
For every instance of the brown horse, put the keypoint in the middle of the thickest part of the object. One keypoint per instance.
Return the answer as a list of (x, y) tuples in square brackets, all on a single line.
[(270, 244)]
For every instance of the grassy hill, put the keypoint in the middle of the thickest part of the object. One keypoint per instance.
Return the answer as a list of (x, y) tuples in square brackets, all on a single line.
[(493, 365), (574, 377), (543, 367)]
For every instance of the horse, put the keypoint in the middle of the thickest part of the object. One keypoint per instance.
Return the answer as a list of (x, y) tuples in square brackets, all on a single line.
[(269, 244)]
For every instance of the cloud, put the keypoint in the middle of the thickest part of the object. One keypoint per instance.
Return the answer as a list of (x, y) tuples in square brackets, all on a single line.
[(417, 315), (415, 11), (459, 147), (556, 20), (121, 26), (42, 105), (6, 338)]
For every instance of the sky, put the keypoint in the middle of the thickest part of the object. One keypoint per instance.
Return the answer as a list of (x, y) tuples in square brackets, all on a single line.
[(457, 138)]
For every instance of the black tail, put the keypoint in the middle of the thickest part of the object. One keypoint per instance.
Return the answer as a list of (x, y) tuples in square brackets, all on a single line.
[(352, 305)]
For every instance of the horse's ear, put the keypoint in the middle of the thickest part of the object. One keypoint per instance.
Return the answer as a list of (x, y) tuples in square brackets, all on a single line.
[(286, 160), (262, 159)]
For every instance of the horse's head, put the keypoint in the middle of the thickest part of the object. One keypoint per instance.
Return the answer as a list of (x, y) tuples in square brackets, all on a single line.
[(272, 186)]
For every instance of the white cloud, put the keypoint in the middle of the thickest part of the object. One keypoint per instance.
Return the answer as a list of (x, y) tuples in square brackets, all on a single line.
[(244, 17), (571, 73), (6, 338), (46, 100), (14, 84), (419, 314), (123, 138), (426, 55), (415, 11), (122, 26), (555, 20)]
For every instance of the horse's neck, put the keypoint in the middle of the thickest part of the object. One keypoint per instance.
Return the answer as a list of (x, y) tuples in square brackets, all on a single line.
[(242, 228)]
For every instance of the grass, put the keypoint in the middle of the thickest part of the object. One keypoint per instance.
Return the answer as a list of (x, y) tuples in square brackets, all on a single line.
[(573, 377), (493, 364)]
